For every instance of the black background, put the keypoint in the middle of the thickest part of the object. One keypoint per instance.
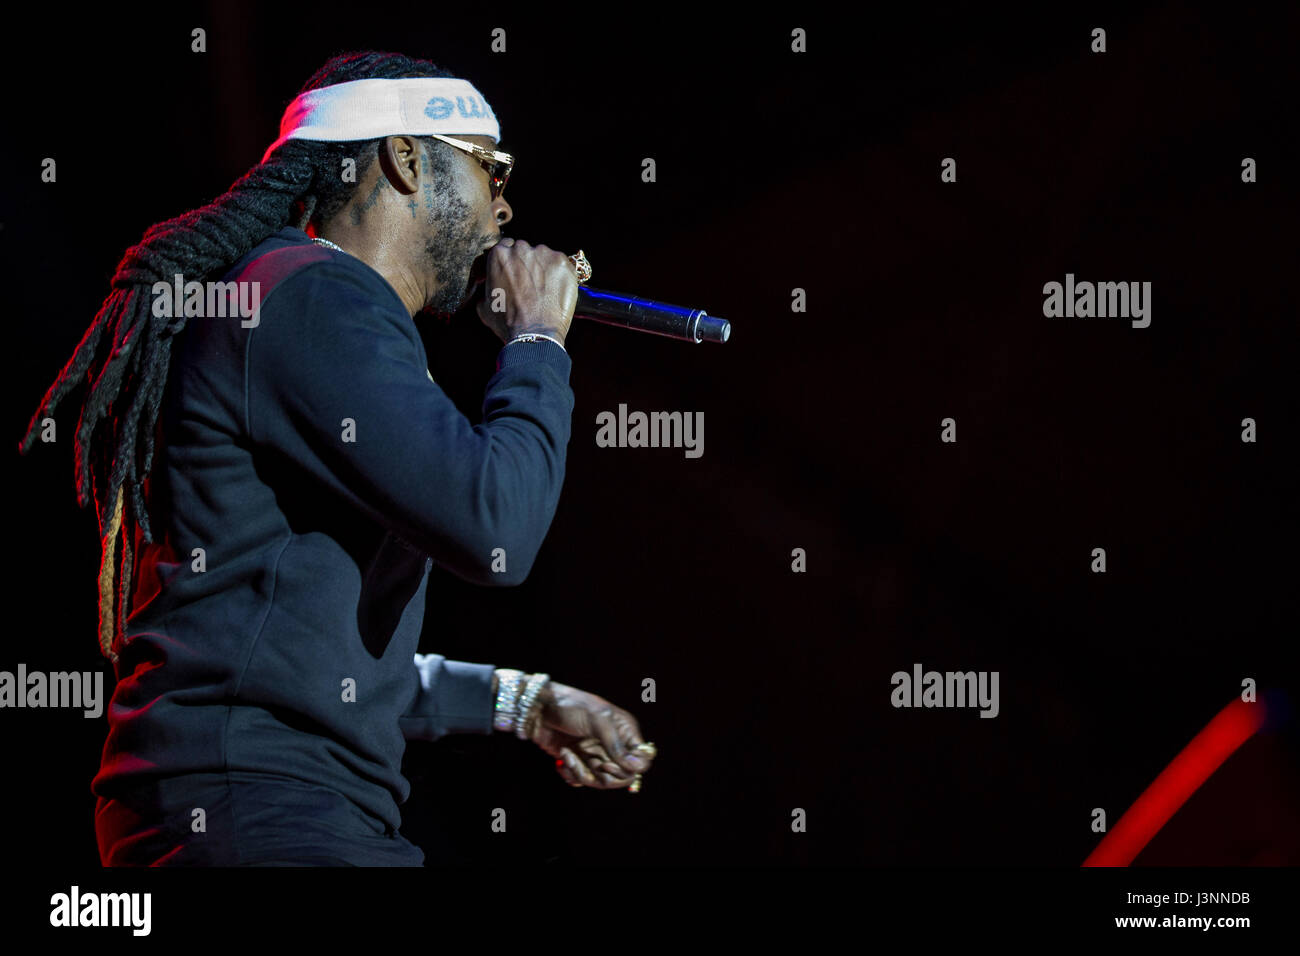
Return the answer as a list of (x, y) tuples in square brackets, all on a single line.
[(779, 170)]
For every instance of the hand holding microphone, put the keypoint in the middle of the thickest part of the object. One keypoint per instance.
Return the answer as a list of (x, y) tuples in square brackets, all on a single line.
[(547, 292), (540, 286)]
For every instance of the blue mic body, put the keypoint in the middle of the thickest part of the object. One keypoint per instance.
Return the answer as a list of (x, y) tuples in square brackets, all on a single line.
[(646, 315)]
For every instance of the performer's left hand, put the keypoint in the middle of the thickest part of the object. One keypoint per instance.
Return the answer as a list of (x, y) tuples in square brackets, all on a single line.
[(590, 738)]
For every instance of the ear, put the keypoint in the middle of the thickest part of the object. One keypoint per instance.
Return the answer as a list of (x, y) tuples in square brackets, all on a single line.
[(400, 158)]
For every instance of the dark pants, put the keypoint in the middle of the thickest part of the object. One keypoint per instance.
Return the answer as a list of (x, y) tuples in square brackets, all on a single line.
[(243, 819)]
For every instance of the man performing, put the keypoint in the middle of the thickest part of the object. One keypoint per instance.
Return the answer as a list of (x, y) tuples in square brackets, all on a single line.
[(263, 587)]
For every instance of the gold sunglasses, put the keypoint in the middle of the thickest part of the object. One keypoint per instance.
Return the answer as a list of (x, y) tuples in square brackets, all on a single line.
[(498, 165)]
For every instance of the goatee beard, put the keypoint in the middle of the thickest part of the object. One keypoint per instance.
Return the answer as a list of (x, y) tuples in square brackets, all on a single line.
[(452, 253)]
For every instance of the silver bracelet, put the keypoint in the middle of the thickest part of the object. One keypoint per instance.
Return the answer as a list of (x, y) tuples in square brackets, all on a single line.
[(529, 703), (509, 683), (533, 337)]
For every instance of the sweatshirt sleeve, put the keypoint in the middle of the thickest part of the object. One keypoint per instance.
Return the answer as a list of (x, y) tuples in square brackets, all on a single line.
[(337, 380), (453, 697)]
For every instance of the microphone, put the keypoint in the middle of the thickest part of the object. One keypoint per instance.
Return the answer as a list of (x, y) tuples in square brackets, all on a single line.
[(645, 315)]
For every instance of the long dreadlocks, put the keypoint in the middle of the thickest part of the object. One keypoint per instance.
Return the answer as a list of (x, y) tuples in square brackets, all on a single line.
[(126, 351)]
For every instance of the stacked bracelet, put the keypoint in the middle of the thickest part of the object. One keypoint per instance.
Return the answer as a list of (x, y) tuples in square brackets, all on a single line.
[(530, 704), (509, 684), (517, 705), (533, 337)]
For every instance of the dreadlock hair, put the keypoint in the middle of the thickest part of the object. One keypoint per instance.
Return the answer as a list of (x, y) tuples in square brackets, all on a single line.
[(126, 351)]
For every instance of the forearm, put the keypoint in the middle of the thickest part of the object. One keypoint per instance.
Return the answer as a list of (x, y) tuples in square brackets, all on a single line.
[(448, 697), (477, 499)]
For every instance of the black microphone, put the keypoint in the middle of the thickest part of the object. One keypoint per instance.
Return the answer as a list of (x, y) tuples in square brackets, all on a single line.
[(645, 315)]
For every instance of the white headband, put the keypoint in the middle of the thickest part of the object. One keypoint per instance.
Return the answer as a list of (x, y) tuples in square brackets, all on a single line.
[(368, 109)]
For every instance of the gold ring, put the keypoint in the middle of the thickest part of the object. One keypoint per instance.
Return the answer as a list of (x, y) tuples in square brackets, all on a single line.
[(582, 265), (649, 750)]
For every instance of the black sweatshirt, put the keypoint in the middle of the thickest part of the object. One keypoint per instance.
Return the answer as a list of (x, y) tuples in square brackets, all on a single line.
[(309, 473)]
